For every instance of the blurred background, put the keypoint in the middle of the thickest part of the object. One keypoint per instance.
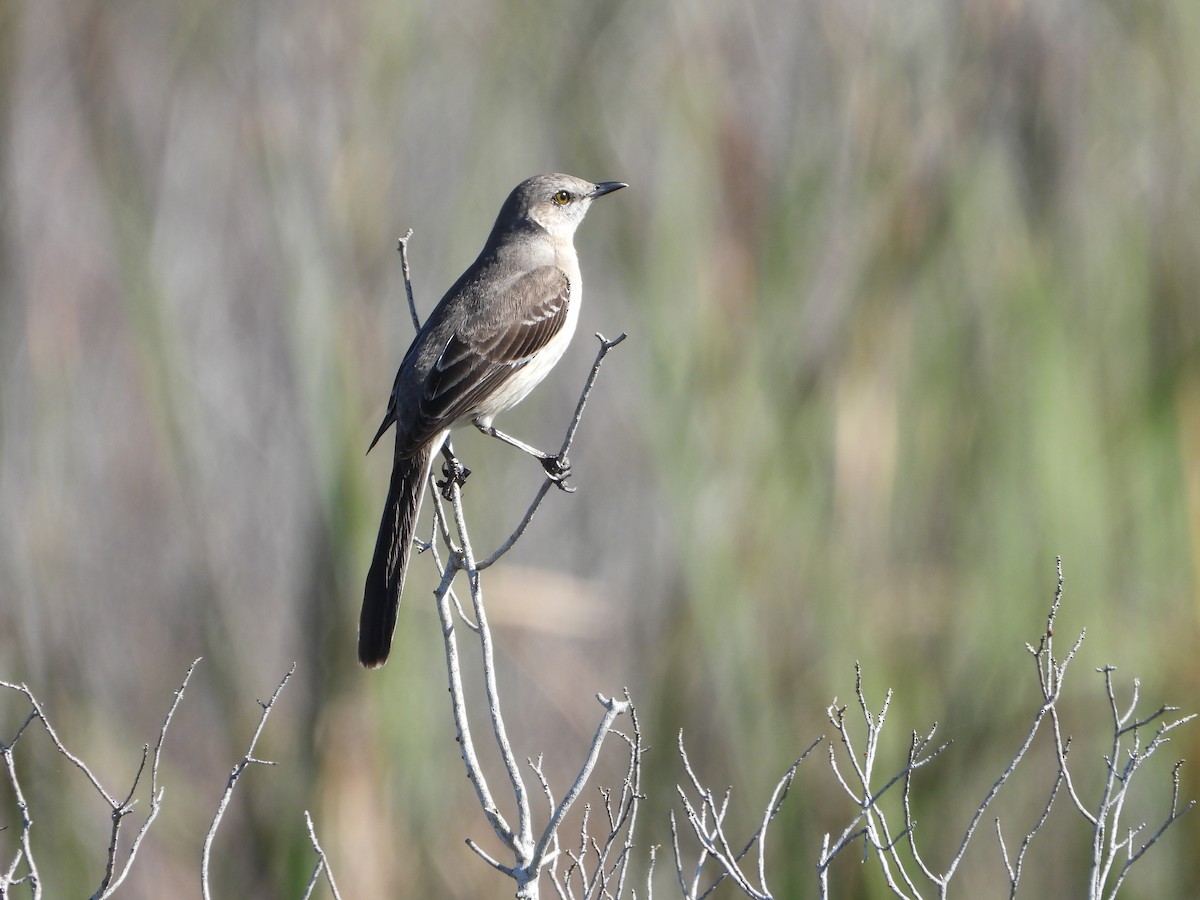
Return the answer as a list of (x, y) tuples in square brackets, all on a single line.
[(911, 296)]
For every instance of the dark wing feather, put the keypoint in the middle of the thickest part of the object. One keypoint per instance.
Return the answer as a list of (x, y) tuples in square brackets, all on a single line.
[(488, 350)]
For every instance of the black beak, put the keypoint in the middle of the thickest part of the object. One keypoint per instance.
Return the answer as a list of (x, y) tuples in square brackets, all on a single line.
[(605, 187)]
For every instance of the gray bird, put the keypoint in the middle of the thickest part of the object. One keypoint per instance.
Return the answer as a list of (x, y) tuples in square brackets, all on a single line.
[(489, 342)]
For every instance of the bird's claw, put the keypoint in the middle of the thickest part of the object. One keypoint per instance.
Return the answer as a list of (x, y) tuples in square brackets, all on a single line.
[(453, 473), (558, 469)]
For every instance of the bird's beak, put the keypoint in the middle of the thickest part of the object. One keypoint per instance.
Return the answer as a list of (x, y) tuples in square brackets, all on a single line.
[(605, 187)]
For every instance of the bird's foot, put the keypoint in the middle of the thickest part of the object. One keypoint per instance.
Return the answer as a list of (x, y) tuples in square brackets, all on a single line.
[(454, 474), (558, 469)]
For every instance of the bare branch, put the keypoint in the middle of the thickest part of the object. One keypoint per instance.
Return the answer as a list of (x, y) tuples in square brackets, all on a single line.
[(506, 545), (245, 762), (110, 883), (322, 862), (26, 848), (1014, 869), (113, 875), (605, 346), (521, 841), (612, 708), (483, 854), (713, 840), (402, 247), (462, 725), (58, 744), (1113, 843)]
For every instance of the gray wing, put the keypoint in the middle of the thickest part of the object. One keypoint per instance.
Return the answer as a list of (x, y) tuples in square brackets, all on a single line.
[(486, 349)]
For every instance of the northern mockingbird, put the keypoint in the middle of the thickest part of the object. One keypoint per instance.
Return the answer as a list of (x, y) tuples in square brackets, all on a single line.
[(490, 340)]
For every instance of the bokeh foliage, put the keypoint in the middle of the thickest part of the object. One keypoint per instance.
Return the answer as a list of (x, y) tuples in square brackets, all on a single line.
[(912, 297)]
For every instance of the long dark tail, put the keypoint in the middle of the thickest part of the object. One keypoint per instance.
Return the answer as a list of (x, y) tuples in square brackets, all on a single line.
[(385, 580)]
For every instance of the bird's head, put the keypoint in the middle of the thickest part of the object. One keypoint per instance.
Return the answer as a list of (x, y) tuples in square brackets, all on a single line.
[(554, 203)]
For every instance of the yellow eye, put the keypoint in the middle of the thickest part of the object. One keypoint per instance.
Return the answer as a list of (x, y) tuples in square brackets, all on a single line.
[(562, 198)]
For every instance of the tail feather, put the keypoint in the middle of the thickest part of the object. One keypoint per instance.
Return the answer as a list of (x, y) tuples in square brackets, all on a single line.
[(385, 579)]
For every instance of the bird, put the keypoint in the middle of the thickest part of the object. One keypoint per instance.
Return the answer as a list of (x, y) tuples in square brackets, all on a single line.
[(493, 337)]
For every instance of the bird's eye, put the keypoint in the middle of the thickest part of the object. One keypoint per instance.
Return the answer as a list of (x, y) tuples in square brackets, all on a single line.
[(562, 198)]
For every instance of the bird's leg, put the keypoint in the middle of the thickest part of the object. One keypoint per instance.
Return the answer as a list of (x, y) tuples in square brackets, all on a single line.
[(557, 467), (453, 471)]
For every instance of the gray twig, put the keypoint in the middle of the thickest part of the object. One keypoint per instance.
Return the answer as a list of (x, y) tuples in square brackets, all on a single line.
[(568, 440), (245, 762), (322, 865), (402, 247), (714, 843), (120, 808)]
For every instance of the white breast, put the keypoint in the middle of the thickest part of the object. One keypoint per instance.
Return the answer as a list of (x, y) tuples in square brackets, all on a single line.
[(530, 375)]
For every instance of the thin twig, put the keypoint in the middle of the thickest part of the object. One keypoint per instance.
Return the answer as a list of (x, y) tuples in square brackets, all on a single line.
[(110, 884), (631, 797), (714, 842), (544, 488), (322, 862), (462, 724), (612, 708), (1014, 871), (522, 840), (605, 346), (26, 848), (402, 247), (483, 854), (245, 762), (120, 808), (58, 744)]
